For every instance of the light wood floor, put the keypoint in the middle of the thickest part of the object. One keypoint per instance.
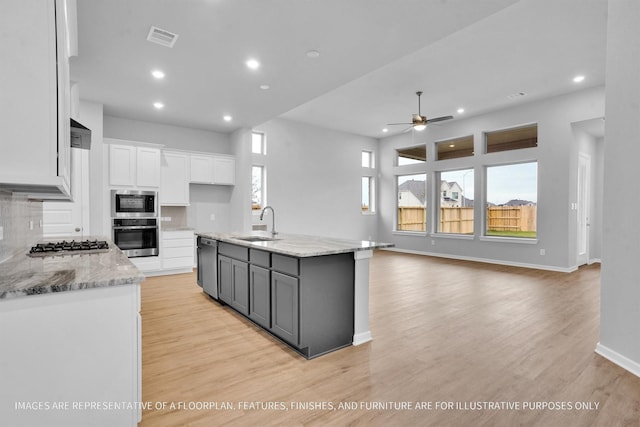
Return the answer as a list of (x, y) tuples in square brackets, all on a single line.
[(444, 331)]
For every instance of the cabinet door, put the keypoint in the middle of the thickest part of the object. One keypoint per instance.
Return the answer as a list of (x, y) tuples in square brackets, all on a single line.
[(174, 179), (260, 295), (201, 169), (148, 167), (285, 307), (224, 171), (122, 165), (240, 286), (225, 278)]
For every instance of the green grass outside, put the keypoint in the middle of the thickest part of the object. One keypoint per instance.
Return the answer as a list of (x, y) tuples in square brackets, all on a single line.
[(523, 234)]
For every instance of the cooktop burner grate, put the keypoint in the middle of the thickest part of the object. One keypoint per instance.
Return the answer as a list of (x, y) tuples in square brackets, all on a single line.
[(53, 248)]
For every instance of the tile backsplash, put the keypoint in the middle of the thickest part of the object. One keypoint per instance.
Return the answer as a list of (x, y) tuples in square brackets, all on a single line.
[(21, 223)]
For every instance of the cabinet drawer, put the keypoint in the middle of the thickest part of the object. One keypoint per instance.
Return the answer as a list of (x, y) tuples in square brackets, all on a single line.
[(184, 262), (178, 243), (233, 251), (177, 234), (177, 252), (261, 258), (285, 264)]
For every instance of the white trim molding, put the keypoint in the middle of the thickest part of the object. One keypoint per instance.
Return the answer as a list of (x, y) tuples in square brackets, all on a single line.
[(618, 359), (487, 260)]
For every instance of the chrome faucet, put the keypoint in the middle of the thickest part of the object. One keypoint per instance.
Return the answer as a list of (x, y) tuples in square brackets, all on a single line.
[(273, 219)]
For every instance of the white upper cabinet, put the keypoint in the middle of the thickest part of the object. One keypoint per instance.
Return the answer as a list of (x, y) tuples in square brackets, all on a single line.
[(201, 169), (148, 167), (174, 179), (212, 169), (224, 170), (134, 166), (35, 88)]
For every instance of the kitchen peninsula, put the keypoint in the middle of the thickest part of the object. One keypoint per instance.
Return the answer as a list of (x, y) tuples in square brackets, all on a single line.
[(311, 292), (70, 335)]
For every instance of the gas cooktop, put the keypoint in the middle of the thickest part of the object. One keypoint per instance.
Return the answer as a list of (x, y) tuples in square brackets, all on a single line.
[(65, 247)]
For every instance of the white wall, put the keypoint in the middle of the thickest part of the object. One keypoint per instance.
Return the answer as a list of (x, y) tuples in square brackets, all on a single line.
[(557, 172), (314, 180), (620, 287)]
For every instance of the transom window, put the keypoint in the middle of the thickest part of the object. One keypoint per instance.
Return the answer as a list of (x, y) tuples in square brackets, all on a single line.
[(511, 139)]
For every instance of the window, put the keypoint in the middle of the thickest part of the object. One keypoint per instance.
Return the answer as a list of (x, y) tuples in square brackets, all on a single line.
[(257, 187), (258, 145), (367, 159), (511, 139), (412, 155), (454, 148), (368, 191), (456, 203), (512, 195), (412, 202)]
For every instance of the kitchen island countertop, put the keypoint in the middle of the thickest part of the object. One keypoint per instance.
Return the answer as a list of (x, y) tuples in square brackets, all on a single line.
[(21, 275), (296, 245)]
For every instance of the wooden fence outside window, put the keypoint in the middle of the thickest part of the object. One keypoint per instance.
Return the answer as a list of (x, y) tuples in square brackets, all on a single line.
[(460, 220)]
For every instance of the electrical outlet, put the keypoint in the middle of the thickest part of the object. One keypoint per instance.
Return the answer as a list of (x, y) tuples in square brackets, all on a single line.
[(30, 224), (543, 252), (433, 242), (212, 217), (1, 233)]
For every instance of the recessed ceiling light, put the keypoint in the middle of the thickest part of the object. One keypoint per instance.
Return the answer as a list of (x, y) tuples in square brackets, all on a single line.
[(265, 87), (158, 105), (253, 64), (385, 130), (313, 54), (227, 118), (460, 110), (157, 74), (578, 79)]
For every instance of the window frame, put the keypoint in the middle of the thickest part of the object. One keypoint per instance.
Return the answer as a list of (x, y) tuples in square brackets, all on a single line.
[(396, 229), (485, 205)]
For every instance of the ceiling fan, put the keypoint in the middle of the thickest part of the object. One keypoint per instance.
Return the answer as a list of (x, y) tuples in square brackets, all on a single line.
[(418, 121)]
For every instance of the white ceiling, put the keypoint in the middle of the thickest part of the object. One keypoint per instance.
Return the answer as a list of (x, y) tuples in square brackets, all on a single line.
[(374, 56)]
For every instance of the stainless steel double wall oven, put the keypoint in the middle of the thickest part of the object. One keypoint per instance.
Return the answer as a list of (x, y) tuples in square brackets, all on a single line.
[(135, 222)]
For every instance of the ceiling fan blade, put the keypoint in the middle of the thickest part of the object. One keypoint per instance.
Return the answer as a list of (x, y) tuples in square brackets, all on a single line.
[(407, 129), (393, 124), (439, 119)]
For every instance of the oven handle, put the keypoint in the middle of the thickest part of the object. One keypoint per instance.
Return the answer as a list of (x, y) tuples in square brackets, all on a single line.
[(139, 227)]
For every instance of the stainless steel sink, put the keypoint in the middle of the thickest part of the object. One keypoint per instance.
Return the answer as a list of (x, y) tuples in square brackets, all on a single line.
[(256, 239)]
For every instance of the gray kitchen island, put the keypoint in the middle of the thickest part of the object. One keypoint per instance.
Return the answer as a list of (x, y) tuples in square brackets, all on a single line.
[(311, 292)]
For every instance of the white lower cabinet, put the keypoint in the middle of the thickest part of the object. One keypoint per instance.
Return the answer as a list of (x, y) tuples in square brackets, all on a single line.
[(177, 251), (67, 355)]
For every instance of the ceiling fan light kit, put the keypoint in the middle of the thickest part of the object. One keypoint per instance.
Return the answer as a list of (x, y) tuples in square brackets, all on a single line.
[(418, 121)]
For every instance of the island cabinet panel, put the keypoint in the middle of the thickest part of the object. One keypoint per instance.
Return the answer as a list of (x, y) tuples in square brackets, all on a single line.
[(240, 286), (260, 295), (225, 278), (285, 307)]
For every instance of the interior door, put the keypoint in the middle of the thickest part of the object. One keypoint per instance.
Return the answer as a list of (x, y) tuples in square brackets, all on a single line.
[(70, 219), (584, 170)]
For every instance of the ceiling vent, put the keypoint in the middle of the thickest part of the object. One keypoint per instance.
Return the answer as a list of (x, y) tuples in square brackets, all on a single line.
[(162, 37)]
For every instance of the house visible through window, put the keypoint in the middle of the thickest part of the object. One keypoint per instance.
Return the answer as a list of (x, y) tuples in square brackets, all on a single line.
[(512, 198), (412, 202), (456, 202)]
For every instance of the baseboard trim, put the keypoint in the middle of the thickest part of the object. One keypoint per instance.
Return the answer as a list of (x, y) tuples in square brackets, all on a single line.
[(362, 338), (618, 359), (487, 260)]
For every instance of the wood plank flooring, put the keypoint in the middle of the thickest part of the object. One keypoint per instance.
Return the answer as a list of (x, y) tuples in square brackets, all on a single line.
[(445, 333)]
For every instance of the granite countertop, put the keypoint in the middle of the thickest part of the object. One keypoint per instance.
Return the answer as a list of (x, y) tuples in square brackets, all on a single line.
[(22, 275), (297, 245), (176, 228)]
